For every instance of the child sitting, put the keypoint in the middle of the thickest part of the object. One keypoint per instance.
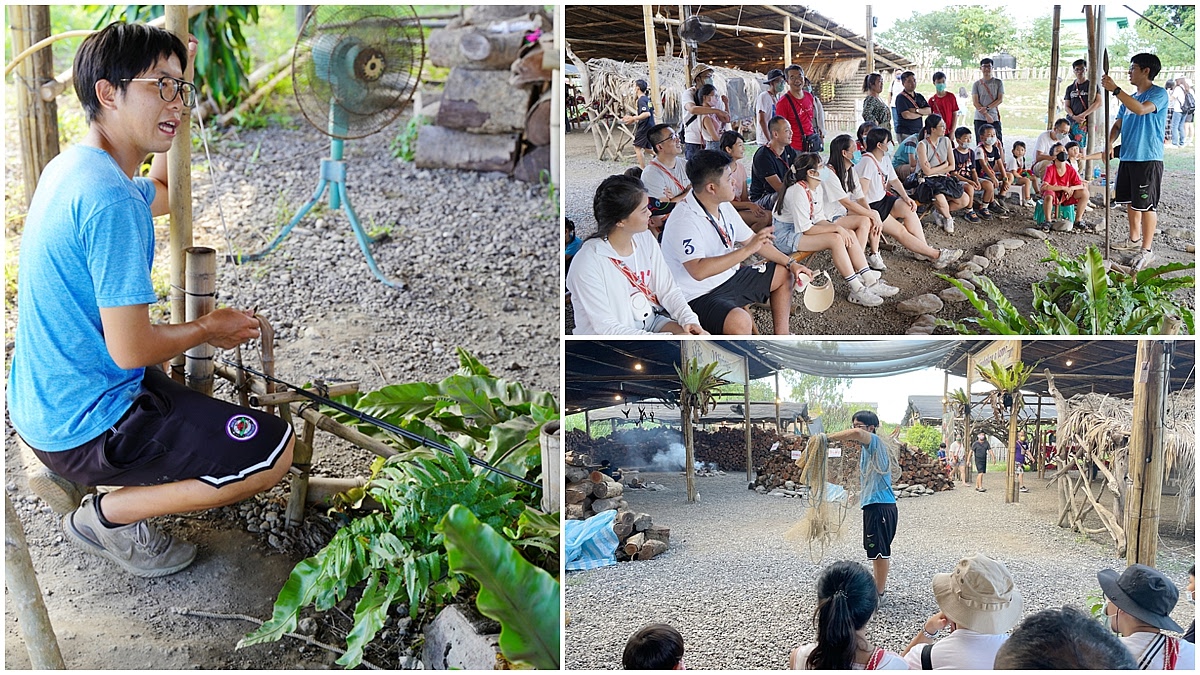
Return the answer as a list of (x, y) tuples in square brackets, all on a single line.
[(1062, 191), (656, 646), (1020, 174), (990, 158), (964, 170)]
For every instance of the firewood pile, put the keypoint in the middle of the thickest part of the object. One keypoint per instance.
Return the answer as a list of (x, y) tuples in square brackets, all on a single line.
[(920, 473), (494, 113), (589, 492)]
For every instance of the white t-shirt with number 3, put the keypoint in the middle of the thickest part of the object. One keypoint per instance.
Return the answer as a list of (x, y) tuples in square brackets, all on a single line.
[(690, 235)]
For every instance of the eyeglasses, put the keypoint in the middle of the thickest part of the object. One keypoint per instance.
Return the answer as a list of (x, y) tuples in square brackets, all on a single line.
[(170, 87), (859, 425)]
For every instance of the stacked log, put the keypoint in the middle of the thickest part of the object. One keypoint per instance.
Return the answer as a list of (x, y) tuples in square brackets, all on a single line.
[(589, 492), (494, 113), (920, 474)]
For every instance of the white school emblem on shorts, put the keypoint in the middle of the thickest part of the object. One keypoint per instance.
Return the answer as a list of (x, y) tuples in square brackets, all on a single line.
[(241, 427)]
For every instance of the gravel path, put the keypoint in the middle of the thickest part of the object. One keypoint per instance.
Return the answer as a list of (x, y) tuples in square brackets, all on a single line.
[(743, 597), (1014, 273)]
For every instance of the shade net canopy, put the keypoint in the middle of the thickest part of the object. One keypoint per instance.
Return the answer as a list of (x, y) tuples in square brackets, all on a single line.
[(858, 358)]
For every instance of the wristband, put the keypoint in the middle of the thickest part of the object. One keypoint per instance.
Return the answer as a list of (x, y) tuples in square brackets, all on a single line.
[(927, 634)]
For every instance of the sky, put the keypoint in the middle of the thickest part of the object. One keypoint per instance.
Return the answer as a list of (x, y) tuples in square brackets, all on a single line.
[(853, 16), (892, 392)]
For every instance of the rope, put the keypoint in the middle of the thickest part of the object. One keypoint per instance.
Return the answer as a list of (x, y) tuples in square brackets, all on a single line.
[(184, 611), (1151, 22), (212, 174)]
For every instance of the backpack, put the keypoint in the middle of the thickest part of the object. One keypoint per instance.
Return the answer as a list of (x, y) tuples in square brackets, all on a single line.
[(1189, 103)]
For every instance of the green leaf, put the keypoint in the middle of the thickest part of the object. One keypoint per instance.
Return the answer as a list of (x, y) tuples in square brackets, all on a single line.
[(1096, 291), (523, 598), (296, 594), (369, 616)]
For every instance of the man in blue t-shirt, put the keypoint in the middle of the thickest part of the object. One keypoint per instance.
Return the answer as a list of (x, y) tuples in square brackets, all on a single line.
[(1141, 123), (86, 392), (878, 501)]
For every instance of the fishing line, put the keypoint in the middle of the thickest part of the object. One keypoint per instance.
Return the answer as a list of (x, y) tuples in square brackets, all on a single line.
[(212, 175), (386, 426)]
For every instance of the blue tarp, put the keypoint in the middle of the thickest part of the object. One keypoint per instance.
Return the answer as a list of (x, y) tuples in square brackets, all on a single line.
[(591, 543)]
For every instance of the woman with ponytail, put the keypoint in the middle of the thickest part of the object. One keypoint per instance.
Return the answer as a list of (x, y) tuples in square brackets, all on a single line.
[(801, 225), (846, 600)]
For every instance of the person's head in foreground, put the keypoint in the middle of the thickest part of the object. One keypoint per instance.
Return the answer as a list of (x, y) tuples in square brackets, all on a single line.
[(1063, 639), (620, 201), (656, 646), (1139, 600), (846, 601), (980, 595)]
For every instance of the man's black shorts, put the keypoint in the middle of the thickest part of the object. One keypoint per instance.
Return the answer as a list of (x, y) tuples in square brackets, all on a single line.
[(981, 463), (172, 433), (1139, 184), (879, 528), (747, 285)]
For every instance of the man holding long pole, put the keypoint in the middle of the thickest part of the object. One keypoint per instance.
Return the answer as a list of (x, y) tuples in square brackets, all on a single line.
[(1141, 123)]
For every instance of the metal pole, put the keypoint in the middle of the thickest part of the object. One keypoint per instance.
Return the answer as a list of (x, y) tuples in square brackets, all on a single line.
[(179, 188)]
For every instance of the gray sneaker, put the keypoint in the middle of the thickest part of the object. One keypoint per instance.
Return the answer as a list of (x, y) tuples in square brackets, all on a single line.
[(140, 548), (945, 257), (1142, 260), (1129, 246), (61, 494)]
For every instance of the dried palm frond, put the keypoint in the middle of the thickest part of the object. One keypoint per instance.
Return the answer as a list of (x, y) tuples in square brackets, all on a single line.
[(821, 525)]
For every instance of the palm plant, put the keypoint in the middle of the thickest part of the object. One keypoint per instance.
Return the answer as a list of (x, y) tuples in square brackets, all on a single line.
[(696, 397), (1008, 380)]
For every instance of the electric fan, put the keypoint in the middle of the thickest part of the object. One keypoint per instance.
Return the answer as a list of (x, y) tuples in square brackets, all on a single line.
[(354, 70), (697, 29)]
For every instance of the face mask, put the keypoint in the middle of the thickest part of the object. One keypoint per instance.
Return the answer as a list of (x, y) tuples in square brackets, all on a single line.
[(779, 86), (1062, 157), (1110, 622), (708, 80), (990, 140), (964, 144), (940, 87), (857, 156), (1191, 597)]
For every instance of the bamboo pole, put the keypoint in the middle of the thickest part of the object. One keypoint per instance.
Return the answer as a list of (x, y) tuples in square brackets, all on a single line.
[(262, 400), (200, 282), (1037, 440), (21, 582), (968, 455), (261, 93), (1053, 95), (37, 120), (825, 34), (1011, 496), (551, 445), (685, 418), (778, 423), (1093, 56), (179, 188), (652, 60), (552, 59), (787, 41), (1146, 453)]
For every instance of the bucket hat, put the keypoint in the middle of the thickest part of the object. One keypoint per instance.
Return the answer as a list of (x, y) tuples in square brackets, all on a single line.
[(699, 70), (979, 595), (1143, 592), (774, 74)]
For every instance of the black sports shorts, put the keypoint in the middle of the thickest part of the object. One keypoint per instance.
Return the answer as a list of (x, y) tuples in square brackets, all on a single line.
[(879, 528), (747, 285), (172, 433), (1139, 184)]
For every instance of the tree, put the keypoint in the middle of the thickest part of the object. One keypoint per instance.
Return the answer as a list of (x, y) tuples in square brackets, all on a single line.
[(820, 393), (760, 391), (1008, 381), (924, 437), (950, 37), (1033, 43), (1181, 21)]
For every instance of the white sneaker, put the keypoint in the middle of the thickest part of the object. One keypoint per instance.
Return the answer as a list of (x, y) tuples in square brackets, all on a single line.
[(1143, 260), (865, 297), (875, 261), (946, 257), (870, 277), (883, 289), (938, 219), (948, 225)]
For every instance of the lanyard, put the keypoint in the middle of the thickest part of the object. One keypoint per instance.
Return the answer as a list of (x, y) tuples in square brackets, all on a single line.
[(670, 175), (635, 282), (936, 160), (726, 237), (879, 168), (812, 207)]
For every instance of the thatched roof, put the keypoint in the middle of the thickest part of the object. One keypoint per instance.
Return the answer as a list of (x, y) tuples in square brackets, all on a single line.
[(827, 50)]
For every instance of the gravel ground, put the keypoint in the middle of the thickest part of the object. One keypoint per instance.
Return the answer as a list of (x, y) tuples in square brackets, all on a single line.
[(1013, 273), (743, 597)]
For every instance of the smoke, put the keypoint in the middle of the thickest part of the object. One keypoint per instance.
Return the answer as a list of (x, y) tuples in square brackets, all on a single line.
[(670, 459)]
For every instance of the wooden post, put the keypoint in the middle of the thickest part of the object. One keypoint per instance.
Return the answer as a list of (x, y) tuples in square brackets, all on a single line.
[(551, 60), (778, 424), (652, 60), (787, 41), (1011, 496), (1146, 454), (26, 595), (1093, 57), (749, 436), (1037, 440), (870, 41), (689, 52), (587, 424), (968, 456), (685, 419), (1053, 96), (179, 188), (201, 267), (37, 120)]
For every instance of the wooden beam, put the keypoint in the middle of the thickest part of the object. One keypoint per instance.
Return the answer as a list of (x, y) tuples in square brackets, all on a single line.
[(826, 33)]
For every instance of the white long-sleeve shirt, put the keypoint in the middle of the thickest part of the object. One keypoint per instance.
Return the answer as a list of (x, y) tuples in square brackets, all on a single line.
[(601, 294)]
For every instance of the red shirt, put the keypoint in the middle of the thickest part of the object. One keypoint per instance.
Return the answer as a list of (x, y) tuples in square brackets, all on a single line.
[(800, 117), (945, 106), (1069, 177)]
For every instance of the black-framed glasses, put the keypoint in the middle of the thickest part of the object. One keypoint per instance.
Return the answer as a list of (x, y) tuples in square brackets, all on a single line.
[(170, 87)]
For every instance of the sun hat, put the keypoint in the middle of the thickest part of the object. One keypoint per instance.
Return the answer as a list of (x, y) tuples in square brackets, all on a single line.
[(699, 70), (979, 595), (818, 294), (1143, 592), (774, 74)]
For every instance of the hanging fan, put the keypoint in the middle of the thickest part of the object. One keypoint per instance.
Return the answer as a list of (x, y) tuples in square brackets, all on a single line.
[(354, 71), (697, 29)]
